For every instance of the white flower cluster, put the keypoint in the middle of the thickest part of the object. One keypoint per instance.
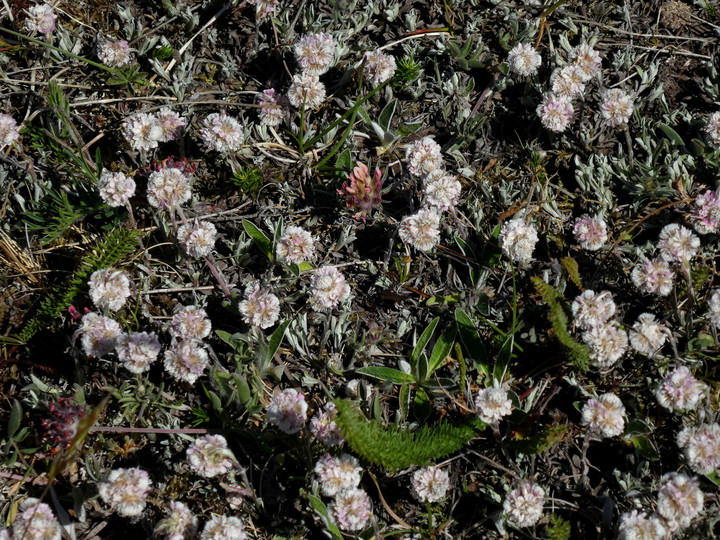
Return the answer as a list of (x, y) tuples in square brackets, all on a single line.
[(701, 446), (221, 133), (616, 107), (637, 525), (315, 53), (679, 500), (653, 276), (168, 188), (493, 403), (518, 240), (605, 337), (379, 67), (109, 288), (647, 336), (421, 230), (126, 491), (287, 410), (590, 232), (323, 426), (190, 322), (677, 244), (442, 191), (40, 18), (186, 360), (35, 521), (179, 524), (339, 478), (592, 309), (524, 60), (260, 307), (116, 189), (197, 238), (270, 108), (306, 90), (9, 131), (604, 416), (524, 505), (295, 245), (430, 484), (114, 53), (224, 528), (712, 129), (210, 456), (679, 390), (99, 334), (329, 288), (144, 131), (423, 157), (137, 350)]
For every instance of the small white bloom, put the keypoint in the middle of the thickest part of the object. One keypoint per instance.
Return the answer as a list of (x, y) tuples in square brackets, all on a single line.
[(701, 447), (568, 82), (590, 232), (518, 240), (41, 18), (587, 59), (524, 60), (329, 288), (323, 426), (191, 322), (224, 528), (493, 403), (379, 67), (337, 474), (9, 132), (616, 107), (351, 510), (679, 390), (260, 308), (138, 350), (524, 504), (607, 343), (677, 244), (712, 128), (179, 524), (653, 276), (604, 416), (555, 112), (210, 456), (288, 410), (143, 131), (306, 89), (186, 361), (424, 156), (443, 191), (315, 53), (679, 499), (222, 133), (35, 521), (198, 238), (99, 334), (168, 188), (592, 309), (109, 288), (430, 484), (421, 230), (116, 189), (126, 491), (114, 53), (270, 108), (637, 525), (296, 245), (647, 336)]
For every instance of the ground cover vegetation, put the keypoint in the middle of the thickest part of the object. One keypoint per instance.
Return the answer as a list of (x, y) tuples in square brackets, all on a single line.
[(359, 269)]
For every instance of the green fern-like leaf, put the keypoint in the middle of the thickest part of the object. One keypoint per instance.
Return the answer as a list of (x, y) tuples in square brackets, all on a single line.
[(117, 245), (576, 352), (558, 528), (394, 448)]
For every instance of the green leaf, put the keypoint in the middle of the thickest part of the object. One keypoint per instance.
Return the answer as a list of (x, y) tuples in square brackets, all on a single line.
[(422, 407), (442, 348), (671, 134), (16, 414), (423, 341), (386, 374), (386, 115), (471, 340), (344, 160), (260, 239), (646, 447), (275, 340), (322, 511)]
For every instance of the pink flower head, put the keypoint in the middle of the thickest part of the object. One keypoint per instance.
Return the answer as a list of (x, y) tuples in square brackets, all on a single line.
[(62, 423), (555, 112), (288, 410), (362, 192), (706, 214)]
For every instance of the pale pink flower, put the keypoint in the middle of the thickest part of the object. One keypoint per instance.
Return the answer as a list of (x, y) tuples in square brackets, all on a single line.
[(677, 244), (493, 403), (714, 309), (210, 456), (224, 528), (679, 500), (616, 107), (198, 238), (424, 156), (315, 53), (351, 510), (638, 525), (296, 245), (260, 307), (109, 288), (679, 390), (137, 350), (221, 133), (287, 410), (524, 60), (607, 343), (568, 81), (604, 416), (555, 112), (323, 426), (40, 18), (647, 336), (524, 504), (99, 334), (712, 128), (587, 59), (430, 484), (179, 524), (706, 213), (35, 521), (126, 491), (518, 240), (186, 361), (653, 276), (143, 131), (443, 191), (116, 189), (9, 132), (701, 447), (592, 309), (329, 288), (191, 322), (337, 474), (306, 89), (114, 53), (421, 230), (171, 124), (590, 232), (379, 67), (270, 108), (362, 191), (168, 188)]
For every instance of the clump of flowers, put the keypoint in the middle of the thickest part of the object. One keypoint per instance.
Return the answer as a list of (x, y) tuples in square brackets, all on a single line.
[(679, 390), (587, 59), (198, 238), (138, 350), (701, 446), (315, 53), (168, 188), (677, 244), (638, 525), (224, 528), (221, 133), (568, 82), (288, 410), (179, 524), (442, 191), (590, 232), (647, 336), (126, 491), (260, 307), (323, 426), (114, 53), (524, 60), (430, 484), (592, 309), (653, 276), (421, 230), (144, 130), (337, 474), (109, 288), (40, 18), (604, 416), (351, 510), (9, 132), (62, 423), (424, 156), (329, 288), (362, 190), (493, 403), (270, 108), (706, 213), (191, 322), (379, 67), (616, 107), (99, 334), (35, 521), (556, 112), (679, 500), (295, 245), (116, 189), (524, 504), (712, 129), (306, 90), (185, 361), (607, 343), (210, 456), (518, 240)]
